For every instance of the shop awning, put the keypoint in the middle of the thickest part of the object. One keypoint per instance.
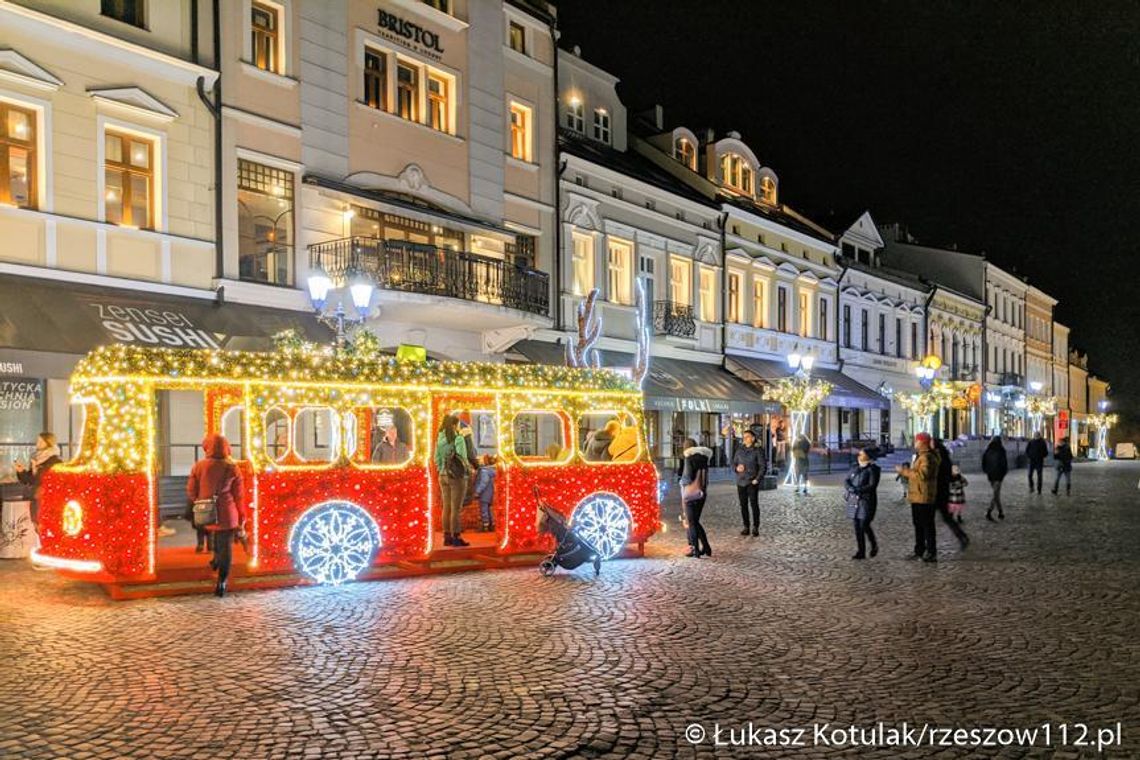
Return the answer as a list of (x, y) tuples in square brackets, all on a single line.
[(845, 392), (672, 384), (46, 324)]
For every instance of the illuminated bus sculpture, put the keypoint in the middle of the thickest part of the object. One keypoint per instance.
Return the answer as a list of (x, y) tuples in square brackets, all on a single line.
[(348, 516)]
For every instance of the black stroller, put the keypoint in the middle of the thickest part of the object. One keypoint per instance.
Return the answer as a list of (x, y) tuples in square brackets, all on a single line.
[(571, 550)]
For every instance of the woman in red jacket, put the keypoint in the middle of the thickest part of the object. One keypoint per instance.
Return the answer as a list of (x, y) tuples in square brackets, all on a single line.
[(217, 475)]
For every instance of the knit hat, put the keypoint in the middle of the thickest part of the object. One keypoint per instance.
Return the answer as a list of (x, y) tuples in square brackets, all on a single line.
[(922, 437)]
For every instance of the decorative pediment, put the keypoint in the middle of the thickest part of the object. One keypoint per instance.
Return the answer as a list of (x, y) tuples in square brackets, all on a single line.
[(412, 180), (788, 269), (137, 100), (764, 261), (15, 67), (706, 251), (582, 212)]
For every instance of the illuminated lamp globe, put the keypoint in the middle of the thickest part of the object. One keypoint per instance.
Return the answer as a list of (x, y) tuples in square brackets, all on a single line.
[(319, 286)]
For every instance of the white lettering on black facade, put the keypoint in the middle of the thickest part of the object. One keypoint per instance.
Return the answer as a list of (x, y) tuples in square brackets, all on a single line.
[(152, 327)]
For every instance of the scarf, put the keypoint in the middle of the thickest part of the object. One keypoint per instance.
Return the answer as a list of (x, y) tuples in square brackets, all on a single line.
[(42, 455)]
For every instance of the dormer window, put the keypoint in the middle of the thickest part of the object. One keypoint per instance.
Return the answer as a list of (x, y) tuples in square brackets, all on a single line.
[(602, 125), (768, 190), (575, 115), (686, 153), (736, 173)]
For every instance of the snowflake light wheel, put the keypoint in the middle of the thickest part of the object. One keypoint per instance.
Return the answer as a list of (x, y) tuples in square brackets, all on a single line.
[(334, 542), (602, 520)]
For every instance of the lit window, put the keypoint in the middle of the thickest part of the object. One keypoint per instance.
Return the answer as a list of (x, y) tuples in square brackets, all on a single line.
[(265, 223), (265, 25), (805, 314), (736, 173), (708, 295), (602, 126), (438, 113), (128, 172), (376, 79), (759, 303), (516, 36), (520, 132), (734, 298), (680, 288), (686, 153), (575, 115), (407, 92), (746, 179), (131, 12), (583, 264), (768, 190), (17, 156), (620, 261)]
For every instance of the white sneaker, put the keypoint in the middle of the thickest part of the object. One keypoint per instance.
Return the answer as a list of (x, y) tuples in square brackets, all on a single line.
[(165, 531)]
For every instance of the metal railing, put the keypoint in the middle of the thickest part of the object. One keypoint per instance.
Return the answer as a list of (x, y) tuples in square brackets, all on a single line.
[(674, 319), (1011, 378), (429, 270)]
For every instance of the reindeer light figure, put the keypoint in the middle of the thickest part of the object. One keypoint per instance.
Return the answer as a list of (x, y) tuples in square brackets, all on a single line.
[(582, 354)]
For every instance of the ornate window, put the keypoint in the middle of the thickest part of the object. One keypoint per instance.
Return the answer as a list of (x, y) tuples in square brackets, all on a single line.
[(583, 264), (128, 172), (620, 260), (736, 173), (686, 153), (768, 191)]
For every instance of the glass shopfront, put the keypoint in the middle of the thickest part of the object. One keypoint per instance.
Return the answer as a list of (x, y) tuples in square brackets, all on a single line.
[(22, 418)]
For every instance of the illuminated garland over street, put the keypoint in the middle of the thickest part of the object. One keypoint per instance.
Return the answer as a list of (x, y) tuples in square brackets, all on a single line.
[(926, 404), (801, 395), (1102, 422)]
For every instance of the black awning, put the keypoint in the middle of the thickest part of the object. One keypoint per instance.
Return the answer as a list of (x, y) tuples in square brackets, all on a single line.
[(672, 384), (41, 317), (845, 392)]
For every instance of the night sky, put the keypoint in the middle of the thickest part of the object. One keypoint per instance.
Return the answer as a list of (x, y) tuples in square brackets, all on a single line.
[(1009, 128)]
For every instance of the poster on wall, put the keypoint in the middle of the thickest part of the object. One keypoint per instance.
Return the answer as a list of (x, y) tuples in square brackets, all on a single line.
[(21, 420)]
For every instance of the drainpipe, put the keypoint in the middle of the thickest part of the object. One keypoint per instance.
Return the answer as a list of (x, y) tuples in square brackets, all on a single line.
[(194, 31), (561, 167), (722, 224), (844, 266), (215, 109), (926, 317)]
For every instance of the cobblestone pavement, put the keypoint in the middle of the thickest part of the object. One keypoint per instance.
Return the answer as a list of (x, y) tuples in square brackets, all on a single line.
[(1036, 622)]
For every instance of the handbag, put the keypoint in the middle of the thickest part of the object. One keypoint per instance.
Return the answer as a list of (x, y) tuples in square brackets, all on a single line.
[(692, 492), (205, 511), (456, 466)]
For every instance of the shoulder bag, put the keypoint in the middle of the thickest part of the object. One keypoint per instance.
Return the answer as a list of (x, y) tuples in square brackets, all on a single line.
[(205, 511)]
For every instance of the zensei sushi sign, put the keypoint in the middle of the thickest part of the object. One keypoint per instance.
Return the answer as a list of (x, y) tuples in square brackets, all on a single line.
[(152, 327)]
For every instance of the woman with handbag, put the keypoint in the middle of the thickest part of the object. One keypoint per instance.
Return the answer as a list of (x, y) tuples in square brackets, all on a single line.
[(862, 490), (694, 491), (215, 488), (454, 472)]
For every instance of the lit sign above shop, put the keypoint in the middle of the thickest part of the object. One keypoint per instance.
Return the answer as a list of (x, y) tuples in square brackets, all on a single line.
[(410, 34), (152, 327)]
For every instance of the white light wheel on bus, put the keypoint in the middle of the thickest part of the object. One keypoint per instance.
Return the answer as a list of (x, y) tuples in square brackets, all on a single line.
[(334, 542), (602, 520)]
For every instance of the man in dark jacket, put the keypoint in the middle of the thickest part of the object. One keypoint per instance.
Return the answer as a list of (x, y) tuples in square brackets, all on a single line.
[(1063, 456), (942, 495), (801, 448), (1036, 452), (749, 464), (995, 466)]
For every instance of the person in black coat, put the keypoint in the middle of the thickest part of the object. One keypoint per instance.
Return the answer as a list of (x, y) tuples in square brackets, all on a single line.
[(942, 493), (749, 465), (1063, 456), (862, 486), (995, 466), (695, 469), (46, 456), (1035, 452)]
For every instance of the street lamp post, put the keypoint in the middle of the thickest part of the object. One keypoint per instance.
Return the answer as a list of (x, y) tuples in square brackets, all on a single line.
[(360, 288)]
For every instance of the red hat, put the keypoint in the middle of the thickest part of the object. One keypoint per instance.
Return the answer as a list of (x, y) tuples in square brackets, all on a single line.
[(922, 437)]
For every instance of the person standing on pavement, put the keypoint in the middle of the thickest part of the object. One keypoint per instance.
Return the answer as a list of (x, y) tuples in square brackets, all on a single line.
[(454, 472), (922, 491), (46, 456), (800, 450), (749, 464), (1035, 452), (1063, 456), (694, 473), (862, 488), (942, 498), (217, 477), (995, 466)]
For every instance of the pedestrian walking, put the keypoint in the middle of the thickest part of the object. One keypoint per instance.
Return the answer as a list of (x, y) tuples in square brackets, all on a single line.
[(800, 450), (958, 485), (922, 477), (694, 472), (862, 490), (749, 463), (217, 478), (1035, 453), (1063, 457), (942, 498), (485, 490), (454, 471), (995, 465), (45, 457)]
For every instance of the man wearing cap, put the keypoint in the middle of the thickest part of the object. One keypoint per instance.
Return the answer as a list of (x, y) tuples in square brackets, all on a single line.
[(922, 493)]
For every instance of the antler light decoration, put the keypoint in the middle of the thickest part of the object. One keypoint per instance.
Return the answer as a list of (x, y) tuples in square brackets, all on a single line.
[(1102, 422), (582, 354), (641, 359)]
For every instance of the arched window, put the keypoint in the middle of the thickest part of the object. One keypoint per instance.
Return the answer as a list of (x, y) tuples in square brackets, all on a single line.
[(736, 173), (686, 153), (768, 190)]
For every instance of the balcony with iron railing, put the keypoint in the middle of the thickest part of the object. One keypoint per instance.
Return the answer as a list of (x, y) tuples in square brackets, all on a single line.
[(1011, 379), (428, 270), (675, 319)]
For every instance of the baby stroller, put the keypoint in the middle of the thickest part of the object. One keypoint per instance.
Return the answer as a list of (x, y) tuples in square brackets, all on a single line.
[(571, 550)]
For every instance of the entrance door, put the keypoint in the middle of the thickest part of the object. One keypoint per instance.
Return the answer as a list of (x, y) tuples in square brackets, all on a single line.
[(478, 423)]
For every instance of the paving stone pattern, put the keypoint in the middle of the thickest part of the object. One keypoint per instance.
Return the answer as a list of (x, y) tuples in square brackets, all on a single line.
[(1037, 621)]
